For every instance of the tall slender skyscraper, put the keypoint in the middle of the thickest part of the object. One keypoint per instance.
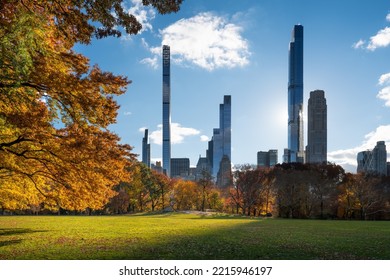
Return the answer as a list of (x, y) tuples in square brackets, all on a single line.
[(295, 97), (166, 149), (146, 149), (316, 149)]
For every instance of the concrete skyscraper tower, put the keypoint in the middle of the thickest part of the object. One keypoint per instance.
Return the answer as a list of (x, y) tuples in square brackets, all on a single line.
[(316, 149), (166, 137), (295, 97)]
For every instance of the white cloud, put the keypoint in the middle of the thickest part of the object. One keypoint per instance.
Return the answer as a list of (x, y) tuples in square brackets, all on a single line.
[(381, 39), (385, 78), (204, 138), (178, 133), (347, 158), (384, 94), (143, 14), (207, 41), (151, 62), (359, 44), (144, 43), (127, 113)]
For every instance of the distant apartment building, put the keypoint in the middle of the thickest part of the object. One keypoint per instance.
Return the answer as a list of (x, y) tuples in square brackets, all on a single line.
[(157, 167), (373, 161), (180, 167), (267, 159), (202, 168)]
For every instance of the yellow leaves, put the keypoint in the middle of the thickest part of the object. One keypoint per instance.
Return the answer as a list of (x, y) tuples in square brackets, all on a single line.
[(17, 193), (45, 85)]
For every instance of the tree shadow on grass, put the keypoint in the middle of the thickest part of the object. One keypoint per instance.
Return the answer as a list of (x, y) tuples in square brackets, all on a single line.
[(10, 242), (17, 231), (12, 233), (253, 240)]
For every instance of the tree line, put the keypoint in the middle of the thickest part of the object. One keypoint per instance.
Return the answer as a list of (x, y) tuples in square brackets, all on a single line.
[(293, 190)]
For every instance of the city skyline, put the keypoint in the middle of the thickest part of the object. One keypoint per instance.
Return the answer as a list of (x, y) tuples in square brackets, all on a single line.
[(241, 49)]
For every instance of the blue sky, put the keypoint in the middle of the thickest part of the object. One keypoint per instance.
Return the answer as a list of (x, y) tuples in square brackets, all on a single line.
[(241, 48)]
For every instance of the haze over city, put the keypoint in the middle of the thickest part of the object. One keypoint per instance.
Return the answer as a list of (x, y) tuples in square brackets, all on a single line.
[(240, 48)]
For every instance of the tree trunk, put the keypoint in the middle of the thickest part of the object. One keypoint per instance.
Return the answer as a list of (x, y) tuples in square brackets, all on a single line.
[(163, 200)]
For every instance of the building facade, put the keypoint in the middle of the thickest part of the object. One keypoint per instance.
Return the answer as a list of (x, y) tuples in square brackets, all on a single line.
[(203, 166), (146, 149), (180, 167), (373, 161), (166, 122), (295, 97), (316, 149), (267, 159), (220, 145)]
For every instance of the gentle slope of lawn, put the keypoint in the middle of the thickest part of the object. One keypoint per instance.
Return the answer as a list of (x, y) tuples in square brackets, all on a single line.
[(188, 236)]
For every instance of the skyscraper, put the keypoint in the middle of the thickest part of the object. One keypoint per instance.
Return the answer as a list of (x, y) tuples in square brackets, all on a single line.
[(373, 161), (267, 159), (166, 137), (220, 144), (146, 149), (180, 167), (316, 149), (295, 97)]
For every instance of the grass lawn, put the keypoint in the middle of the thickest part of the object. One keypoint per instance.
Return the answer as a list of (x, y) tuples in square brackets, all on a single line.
[(189, 236)]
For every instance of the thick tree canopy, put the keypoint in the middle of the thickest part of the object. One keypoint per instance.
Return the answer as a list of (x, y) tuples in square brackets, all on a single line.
[(55, 109)]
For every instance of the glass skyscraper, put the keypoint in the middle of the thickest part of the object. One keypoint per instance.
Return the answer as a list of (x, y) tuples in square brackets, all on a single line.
[(267, 159), (166, 137), (374, 161), (220, 145), (146, 149), (295, 97)]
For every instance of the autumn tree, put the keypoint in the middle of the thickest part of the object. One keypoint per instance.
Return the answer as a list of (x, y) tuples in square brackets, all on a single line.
[(251, 192), (120, 203), (205, 184), (359, 195), (55, 109), (164, 184), (323, 180), (185, 195), (381, 209), (294, 199), (157, 185)]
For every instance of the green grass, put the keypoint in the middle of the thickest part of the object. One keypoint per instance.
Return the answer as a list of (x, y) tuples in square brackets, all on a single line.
[(189, 236)]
